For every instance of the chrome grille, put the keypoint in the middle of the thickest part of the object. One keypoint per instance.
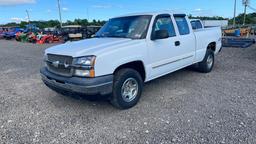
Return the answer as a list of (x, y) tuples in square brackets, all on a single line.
[(60, 69)]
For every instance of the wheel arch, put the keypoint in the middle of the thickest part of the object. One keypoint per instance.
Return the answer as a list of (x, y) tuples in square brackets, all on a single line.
[(137, 65), (212, 46)]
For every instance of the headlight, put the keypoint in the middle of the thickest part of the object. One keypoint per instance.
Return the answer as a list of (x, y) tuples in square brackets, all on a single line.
[(85, 66), (85, 61)]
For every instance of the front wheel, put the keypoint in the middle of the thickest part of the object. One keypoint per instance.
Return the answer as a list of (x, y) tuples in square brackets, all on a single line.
[(127, 88), (207, 64)]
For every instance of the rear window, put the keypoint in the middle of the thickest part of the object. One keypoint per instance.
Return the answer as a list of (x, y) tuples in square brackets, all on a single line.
[(196, 24), (182, 25)]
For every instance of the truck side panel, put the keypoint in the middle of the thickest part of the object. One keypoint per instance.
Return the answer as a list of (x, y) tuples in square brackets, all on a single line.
[(203, 38)]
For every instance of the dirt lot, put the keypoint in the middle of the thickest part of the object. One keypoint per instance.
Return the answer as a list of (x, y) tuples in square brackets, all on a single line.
[(183, 107)]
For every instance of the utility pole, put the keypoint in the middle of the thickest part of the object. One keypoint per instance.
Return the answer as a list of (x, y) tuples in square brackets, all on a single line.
[(28, 16), (234, 20), (60, 13), (245, 3), (244, 14), (29, 26)]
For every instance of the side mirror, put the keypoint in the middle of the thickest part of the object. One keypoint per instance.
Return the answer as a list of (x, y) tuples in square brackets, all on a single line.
[(161, 34)]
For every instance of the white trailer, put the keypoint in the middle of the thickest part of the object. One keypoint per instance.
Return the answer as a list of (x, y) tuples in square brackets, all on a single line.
[(210, 23)]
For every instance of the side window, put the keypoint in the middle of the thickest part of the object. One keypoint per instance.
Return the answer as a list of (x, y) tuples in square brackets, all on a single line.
[(182, 24), (164, 23)]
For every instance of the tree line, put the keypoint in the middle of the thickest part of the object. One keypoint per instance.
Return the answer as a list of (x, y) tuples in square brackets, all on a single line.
[(56, 23), (207, 18)]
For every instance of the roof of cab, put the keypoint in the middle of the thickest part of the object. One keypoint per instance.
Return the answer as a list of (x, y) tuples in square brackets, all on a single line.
[(152, 13)]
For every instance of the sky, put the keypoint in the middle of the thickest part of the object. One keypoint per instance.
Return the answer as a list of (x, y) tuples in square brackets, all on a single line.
[(15, 10)]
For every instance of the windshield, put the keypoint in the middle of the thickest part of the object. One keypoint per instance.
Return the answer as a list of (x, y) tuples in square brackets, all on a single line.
[(134, 27)]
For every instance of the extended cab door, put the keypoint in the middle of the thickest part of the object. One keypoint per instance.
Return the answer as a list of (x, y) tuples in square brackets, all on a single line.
[(171, 53), (187, 40)]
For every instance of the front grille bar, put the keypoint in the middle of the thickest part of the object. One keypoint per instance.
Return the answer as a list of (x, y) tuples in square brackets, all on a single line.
[(71, 65)]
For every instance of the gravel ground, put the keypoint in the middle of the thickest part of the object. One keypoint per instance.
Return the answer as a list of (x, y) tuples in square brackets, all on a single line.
[(183, 107)]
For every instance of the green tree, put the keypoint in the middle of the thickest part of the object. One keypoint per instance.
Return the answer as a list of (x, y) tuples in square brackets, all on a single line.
[(250, 19)]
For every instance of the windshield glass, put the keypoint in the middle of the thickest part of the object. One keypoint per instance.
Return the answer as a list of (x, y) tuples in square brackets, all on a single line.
[(134, 27)]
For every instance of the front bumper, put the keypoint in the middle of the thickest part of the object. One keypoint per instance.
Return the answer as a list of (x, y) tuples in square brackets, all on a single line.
[(86, 86)]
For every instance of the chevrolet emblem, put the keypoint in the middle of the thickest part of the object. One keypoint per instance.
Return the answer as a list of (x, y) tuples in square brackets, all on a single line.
[(66, 65)]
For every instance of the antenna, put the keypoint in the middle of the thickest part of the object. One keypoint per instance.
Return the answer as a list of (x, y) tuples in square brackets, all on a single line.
[(245, 3), (28, 16), (234, 20)]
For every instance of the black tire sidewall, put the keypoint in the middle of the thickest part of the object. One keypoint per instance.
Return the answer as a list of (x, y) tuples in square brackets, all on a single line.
[(119, 80), (203, 67)]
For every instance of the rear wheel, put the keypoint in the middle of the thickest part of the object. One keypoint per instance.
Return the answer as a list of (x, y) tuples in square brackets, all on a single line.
[(127, 88), (207, 64), (49, 40)]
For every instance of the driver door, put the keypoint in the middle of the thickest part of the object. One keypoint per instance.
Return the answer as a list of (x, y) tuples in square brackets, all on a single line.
[(163, 52)]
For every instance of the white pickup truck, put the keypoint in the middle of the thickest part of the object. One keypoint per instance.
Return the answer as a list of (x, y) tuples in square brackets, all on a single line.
[(127, 52)]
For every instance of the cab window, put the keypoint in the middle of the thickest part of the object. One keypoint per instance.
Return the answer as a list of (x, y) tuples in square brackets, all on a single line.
[(182, 24)]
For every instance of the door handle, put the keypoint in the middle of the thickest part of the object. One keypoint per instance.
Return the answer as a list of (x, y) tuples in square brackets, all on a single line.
[(177, 43)]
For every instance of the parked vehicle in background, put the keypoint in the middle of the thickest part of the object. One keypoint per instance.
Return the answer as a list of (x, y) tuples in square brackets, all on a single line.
[(72, 33), (49, 35), (47, 38), (77, 32), (91, 31), (28, 34), (50, 29), (2, 31), (243, 31), (127, 52), (214, 23), (34, 35), (31, 28), (11, 32), (253, 30)]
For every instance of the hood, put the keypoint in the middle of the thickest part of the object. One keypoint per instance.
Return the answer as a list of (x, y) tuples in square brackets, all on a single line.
[(88, 46)]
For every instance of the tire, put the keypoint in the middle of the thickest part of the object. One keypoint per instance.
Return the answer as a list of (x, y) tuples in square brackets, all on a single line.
[(128, 80), (48, 41), (207, 64)]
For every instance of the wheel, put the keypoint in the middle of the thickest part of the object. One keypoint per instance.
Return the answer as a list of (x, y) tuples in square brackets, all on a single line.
[(127, 88), (207, 64), (49, 41), (65, 38)]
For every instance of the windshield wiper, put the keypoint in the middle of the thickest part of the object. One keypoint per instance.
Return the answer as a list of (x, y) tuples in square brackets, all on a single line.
[(114, 36)]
